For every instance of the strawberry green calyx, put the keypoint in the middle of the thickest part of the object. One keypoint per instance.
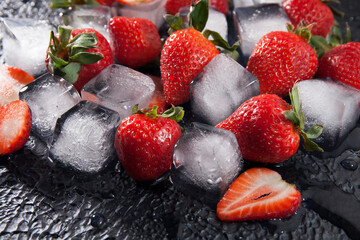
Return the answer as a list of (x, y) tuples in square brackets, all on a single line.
[(301, 30), (217, 40), (67, 56), (174, 113), (296, 116), (70, 3)]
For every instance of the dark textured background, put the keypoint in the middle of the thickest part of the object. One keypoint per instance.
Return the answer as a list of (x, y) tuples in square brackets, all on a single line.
[(41, 200)]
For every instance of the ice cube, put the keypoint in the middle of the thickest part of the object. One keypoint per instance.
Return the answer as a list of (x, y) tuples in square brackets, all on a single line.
[(205, 162), (255, 22), (243, 3), (25, 42), (153, 11), (48, 97), (332, 104), (221, 88), (119, 88), (216, 21), (84, 137), (88, 16)]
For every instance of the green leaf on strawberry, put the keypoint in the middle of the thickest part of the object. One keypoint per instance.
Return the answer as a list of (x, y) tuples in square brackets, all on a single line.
[(199, 14)]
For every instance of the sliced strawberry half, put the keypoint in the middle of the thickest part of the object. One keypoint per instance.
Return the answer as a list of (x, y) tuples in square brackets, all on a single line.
[(15, 125), (258, 194), (11, 81)]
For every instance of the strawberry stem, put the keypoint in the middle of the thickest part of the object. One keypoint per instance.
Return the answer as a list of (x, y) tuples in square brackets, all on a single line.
[(174, 113)]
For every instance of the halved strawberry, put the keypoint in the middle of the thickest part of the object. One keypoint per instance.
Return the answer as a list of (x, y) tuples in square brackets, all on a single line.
[(258, 194), (11, 81), (15, 125)]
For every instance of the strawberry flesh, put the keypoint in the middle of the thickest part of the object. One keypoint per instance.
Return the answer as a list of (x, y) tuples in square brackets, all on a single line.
[(258, 194)]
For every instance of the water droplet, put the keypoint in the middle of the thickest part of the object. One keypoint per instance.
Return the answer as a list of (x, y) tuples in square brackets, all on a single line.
[(349, 164), (97, 220)]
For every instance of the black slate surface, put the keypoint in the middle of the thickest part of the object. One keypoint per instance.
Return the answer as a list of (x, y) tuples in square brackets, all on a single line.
[(41, 200)]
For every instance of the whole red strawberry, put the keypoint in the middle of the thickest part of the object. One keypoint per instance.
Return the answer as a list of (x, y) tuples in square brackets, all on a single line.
[(15, 125), (144, 142), (342, 63), (78, 55), (105, 2), (279, 60), (134, 41), (267, 130), (185, 53), (258, 194), (173, 6), (311, 12)]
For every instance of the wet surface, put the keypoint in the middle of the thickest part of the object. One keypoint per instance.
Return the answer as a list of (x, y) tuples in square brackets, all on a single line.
[(42, 199)]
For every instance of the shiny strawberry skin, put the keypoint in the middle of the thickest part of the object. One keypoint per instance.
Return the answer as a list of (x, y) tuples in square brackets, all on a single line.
[(105, 2), (342, 63), (258, 194), (311, 12), (185, 53), (279, 60), (15, 125), (145, 146), (262, 131), (172, 6), (134, 41)]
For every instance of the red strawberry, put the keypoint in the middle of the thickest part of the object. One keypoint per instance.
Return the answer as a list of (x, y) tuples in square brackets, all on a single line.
[(266, 130), (144, 143), (79, 56), (15, 125), (105, 2), (279, 60), (185, 53), (134, 41), (134, 2), (311, 12), (342, 63), (12, 80), (172, 6), (158, 98), (258, 194)]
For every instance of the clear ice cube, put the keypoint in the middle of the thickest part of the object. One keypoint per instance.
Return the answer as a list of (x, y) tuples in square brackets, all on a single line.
[(25, 42), (88, 16), (332, 104), (84, 137), (153, 11), (48, 97), (250, 3), (205, 162), (255, 22), (221, 88), (119, 88)]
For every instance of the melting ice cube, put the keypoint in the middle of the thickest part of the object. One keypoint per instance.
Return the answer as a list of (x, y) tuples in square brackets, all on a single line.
[(205, 162), (250, 3), (48, 97), (255, 22), (332, 104), (84, 137), (221, 88), (119, 88), (89, 17), (25, 42)]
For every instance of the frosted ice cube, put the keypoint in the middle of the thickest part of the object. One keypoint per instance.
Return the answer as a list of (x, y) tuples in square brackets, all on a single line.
[(257, 2), (25, 42), (332, 104), (243, 3), (89, 17), (48, 97), (119, 88), (205, 162), (84, 137), (221, 88), (153, 11), (255, 22)]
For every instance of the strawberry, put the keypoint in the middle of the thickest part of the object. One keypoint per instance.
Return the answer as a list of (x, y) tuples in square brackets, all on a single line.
[(134, 2), (173, 6), (134, 41), (12, 80), (267, 130), (280, 59), (78, 55), (105, 2), (15, 125), (258, 194), (158, 98), (342, 63), (313, 12), (144, 142), (185, 53)]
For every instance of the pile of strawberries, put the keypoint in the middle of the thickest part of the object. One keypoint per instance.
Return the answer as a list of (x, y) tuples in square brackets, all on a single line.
[(267, 128)]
